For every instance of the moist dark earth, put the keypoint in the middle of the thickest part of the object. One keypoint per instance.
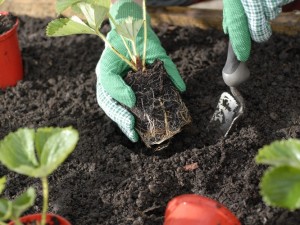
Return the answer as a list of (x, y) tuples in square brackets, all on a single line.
[(109, 180), (6, 22)]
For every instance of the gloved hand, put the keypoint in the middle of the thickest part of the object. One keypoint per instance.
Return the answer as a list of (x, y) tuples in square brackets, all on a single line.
[(246, 19), (110, 69)]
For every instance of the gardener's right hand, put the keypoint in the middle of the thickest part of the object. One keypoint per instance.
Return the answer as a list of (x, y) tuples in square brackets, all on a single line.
[(110, 70), (244, 20)]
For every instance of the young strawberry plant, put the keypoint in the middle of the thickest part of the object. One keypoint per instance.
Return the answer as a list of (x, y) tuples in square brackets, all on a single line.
[(13, 209), (35, 154), (159, 110), (280, 184)]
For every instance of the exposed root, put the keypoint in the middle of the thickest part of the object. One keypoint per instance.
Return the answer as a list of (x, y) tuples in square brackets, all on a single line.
[(160, 112)]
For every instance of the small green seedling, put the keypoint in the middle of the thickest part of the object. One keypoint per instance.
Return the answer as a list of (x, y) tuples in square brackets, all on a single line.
[(37, 154), (13, 209), (94, 12), (280, 184)]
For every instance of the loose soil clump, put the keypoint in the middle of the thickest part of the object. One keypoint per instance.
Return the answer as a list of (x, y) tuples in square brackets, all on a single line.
[(108, 180), (160, 112)]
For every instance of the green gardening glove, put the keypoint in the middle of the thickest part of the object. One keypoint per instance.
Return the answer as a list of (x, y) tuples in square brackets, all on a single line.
[(236, 25), (111, 69), (244, 20)]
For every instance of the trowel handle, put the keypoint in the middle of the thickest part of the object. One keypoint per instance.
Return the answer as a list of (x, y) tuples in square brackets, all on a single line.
[(234, 72)]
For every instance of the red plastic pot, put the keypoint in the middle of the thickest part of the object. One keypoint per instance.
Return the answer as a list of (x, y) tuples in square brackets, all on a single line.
[(50, 219), (11, 67), (191, 209)]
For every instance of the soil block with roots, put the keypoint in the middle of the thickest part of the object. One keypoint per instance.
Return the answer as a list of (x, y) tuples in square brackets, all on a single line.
[(160, 112)]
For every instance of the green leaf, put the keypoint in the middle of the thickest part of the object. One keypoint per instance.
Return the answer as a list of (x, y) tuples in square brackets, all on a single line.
[(94, 14), (62, 5), (23, 202), (2, 184), (280, 186), (17, 151), (5, 209), (42, 136), (66, 26), (57, 143), (53, 147), (284, 152), (129, 28)]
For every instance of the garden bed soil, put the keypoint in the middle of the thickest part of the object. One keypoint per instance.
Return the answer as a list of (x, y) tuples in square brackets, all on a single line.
[(109, 180)]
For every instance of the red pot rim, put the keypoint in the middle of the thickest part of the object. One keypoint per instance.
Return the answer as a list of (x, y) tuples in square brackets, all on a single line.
[(32, 217), (11, 32)]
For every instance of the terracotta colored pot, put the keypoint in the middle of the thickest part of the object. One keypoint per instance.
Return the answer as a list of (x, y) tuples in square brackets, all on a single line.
[(191, 209), (49, 219), (11, 67)]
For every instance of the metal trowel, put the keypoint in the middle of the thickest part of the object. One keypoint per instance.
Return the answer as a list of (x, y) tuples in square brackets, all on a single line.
[(230, 107)]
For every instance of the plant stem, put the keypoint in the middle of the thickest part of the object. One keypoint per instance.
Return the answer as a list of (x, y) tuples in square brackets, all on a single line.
[(145, 34), (116, 51), (128, 49), (45, 199)]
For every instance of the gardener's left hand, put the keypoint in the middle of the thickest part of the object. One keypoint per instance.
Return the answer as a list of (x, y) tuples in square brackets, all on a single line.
[(110, 70)]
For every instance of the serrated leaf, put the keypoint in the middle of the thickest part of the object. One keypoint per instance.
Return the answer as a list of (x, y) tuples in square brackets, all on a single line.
[(68, 26), (53, 146), (93, 13), (2, 184), (5, 209), (57, 146), (23, 202), (62, 5), (280, 186), (130, 28), (17, 149), (284, 152)]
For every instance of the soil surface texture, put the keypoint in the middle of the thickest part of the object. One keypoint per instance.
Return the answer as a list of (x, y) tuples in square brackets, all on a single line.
[(108, 180), (6, 22)]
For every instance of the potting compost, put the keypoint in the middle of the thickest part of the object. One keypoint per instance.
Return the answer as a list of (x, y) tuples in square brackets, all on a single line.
[(109, 180)]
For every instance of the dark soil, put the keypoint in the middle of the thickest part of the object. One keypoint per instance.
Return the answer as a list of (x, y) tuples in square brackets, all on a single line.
[(6, 22), (109, 180), (159, 110)]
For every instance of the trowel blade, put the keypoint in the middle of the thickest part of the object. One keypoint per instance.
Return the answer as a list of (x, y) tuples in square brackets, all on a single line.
[(225, 114)]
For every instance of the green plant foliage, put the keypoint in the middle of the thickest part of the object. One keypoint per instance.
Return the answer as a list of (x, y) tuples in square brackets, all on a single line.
[(53, 145), (5, 209), (130, 28), (2, 184), (87, 18), (1, 2), (62, 5), (280, 184), (68, 26), (15, 208), (23, 202), (94, 14)]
